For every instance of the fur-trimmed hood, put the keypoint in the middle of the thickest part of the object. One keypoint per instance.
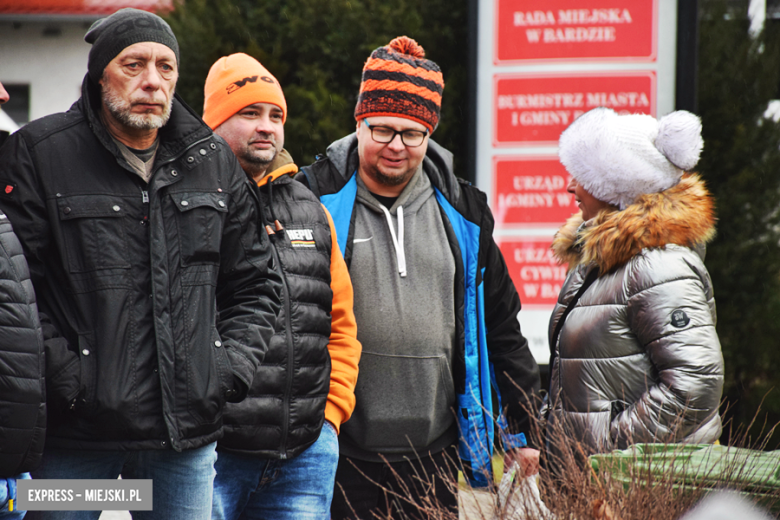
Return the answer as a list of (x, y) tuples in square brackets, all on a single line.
[(683, 215)]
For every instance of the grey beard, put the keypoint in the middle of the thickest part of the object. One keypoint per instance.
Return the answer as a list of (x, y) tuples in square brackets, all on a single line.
[(120, 109)]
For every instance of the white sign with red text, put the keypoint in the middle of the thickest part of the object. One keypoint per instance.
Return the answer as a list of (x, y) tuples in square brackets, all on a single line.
[(540, 65), (530, 191), (533, 109), (548, 30)]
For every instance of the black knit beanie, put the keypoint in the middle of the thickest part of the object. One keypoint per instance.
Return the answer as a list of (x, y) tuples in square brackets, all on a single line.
[(111, 35)]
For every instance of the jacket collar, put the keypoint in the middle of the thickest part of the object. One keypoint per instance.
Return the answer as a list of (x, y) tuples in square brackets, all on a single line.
[(683, 215), (281, 166), (182, 129)]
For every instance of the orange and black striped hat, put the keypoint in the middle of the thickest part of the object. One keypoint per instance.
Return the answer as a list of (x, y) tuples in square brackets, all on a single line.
[(398, 81)]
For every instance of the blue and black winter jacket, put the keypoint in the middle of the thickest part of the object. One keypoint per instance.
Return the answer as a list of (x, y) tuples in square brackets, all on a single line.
[(492, 356)]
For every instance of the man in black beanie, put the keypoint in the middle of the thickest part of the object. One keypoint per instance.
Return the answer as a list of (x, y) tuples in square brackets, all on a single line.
[(156, 293)]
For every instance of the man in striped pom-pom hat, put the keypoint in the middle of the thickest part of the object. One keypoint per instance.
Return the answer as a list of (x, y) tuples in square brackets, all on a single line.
[(435, 307)]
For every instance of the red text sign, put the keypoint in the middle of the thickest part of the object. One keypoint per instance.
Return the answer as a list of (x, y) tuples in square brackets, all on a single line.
[(531, 190), (532, 267), (575, 29), (535, 108)]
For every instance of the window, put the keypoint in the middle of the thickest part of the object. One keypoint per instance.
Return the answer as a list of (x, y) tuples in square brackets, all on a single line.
[(18, 107)]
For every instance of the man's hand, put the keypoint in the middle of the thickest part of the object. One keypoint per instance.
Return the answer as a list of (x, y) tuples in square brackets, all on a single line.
[(527, 459)]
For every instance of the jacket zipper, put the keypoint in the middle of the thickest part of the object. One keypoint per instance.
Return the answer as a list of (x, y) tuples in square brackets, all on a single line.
[(290, 356), (145, 200), (174, 436)]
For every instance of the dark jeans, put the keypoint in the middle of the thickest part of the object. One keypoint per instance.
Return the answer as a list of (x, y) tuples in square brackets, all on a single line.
[(182, 487), (292, 489), (368, 490)]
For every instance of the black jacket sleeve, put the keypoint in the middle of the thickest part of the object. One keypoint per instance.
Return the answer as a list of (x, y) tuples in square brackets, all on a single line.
[(516, 371), (248, 286), (22, 403)]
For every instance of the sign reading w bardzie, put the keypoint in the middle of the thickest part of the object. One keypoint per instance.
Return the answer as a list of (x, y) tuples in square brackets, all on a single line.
[(568, 29)]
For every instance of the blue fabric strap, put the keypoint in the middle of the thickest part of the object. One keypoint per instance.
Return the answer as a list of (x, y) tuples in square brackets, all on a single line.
[(340, 205)]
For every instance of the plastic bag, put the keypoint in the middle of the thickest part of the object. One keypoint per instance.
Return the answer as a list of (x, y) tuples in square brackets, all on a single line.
[(518, 498)]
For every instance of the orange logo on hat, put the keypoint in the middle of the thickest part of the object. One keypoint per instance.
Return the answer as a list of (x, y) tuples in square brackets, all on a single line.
[(9, 189)]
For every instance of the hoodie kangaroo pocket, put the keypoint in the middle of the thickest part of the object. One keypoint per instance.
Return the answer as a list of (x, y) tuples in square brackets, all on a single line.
[(402, 402)]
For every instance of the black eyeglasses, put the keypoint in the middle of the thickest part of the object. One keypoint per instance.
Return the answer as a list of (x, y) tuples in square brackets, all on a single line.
[(385, 134)]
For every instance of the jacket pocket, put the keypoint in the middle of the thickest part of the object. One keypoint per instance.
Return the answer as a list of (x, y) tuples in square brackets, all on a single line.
[(402, 401), (86, 402), (93, 232), (210, 378), (224, 369), (200, 219)]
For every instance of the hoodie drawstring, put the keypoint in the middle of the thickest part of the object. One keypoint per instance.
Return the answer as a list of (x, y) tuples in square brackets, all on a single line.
[(398, 242)]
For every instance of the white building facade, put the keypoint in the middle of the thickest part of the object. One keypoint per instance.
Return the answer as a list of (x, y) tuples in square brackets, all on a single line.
[(43, 55)]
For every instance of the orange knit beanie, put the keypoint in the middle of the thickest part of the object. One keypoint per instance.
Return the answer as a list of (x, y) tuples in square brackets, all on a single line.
[(235, 82), (399, 81)]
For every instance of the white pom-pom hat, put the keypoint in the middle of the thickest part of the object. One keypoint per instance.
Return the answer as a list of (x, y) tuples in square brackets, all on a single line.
[(617, 158)]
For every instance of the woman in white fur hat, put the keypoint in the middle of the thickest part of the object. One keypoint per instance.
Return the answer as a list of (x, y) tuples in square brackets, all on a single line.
[(635, 354)]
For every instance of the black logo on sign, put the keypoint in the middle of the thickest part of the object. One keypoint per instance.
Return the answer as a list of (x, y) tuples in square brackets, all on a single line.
[(680, 319), (240, 83)]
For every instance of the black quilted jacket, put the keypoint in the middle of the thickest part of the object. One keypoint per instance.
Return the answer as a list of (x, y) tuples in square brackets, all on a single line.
[(284, 411), (22, 390)]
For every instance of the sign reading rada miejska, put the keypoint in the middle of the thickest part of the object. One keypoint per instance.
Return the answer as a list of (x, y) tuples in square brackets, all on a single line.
[(574, 29)]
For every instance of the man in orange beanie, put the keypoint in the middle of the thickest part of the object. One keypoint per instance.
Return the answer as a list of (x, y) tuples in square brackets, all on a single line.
[(436, 309), (278, 457)]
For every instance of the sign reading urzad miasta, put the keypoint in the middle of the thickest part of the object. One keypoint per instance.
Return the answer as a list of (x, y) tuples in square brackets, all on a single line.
[(567, 29)]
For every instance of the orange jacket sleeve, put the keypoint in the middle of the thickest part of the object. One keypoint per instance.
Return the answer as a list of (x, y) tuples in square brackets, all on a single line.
[(344, 348)]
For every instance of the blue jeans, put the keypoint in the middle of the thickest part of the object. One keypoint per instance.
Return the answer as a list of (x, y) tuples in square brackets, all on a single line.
[(296, 489), (182, 481), (8, 492)]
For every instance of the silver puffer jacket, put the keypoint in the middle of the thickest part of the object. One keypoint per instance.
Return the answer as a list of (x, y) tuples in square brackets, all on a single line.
[(638, 358)]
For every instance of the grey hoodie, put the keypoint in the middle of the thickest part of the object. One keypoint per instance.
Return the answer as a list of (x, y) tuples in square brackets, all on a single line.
[(404, 305)]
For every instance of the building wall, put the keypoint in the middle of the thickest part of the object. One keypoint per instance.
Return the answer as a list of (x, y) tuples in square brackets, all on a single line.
[(49, 56)]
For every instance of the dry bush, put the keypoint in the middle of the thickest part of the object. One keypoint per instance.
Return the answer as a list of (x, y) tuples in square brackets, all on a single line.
[(654, 482)]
